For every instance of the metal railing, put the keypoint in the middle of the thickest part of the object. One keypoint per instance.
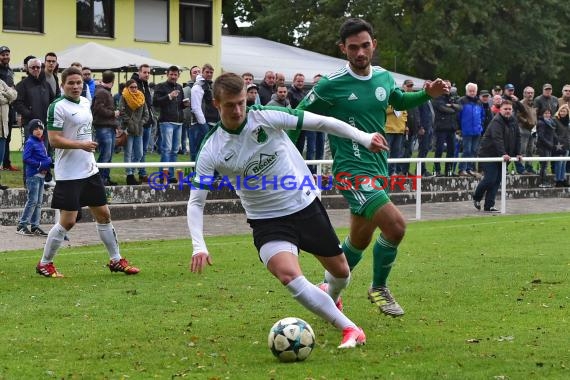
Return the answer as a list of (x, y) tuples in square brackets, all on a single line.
[(418, 161)]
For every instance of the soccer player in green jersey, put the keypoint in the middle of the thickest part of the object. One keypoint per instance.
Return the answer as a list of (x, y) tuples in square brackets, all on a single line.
[(359, 95)]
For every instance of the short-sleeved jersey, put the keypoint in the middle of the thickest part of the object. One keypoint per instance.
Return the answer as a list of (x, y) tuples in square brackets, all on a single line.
[(360, 101), (74, 119), (261, 163)]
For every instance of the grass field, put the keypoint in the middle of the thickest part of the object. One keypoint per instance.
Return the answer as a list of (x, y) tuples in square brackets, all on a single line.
[(485, 298)]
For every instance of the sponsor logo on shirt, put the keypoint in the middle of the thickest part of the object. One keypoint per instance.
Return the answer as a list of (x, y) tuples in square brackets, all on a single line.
[(258, 167)]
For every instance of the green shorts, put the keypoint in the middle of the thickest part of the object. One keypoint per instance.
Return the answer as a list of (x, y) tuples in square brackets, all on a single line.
[(364, 199)]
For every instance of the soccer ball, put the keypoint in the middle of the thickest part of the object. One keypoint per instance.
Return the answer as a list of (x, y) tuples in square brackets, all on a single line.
[(291, 339)]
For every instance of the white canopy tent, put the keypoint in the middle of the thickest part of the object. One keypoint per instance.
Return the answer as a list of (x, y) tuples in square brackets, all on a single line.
[(257, 55), (100, 57)]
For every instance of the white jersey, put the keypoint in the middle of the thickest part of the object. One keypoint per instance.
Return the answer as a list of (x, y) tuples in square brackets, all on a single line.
[(74, 119), (261, 163)]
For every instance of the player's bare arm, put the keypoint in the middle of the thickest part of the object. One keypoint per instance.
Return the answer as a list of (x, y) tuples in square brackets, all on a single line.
[(57, 140)]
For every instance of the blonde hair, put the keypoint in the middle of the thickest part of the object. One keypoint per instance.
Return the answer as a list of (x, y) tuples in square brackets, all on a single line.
[(564, 106)]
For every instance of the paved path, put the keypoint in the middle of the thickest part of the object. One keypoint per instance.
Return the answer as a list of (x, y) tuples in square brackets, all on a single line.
[(176, 228)]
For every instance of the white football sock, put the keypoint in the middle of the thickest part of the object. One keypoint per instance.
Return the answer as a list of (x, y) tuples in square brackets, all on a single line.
[(336, 285), (108, 236), (315, 300), (53, 242)]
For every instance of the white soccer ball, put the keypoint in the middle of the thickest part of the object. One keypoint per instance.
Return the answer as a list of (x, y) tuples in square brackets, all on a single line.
[(291, 339)]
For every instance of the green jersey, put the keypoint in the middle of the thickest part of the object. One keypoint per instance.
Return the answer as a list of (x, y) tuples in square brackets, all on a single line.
[(360, 101)]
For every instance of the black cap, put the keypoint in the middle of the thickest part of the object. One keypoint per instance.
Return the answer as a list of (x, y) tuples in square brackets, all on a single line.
[(27, 59), (484, 93), (35, 124), (3, 49)]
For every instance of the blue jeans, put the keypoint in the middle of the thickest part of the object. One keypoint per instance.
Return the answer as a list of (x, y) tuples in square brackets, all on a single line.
[(470, 148), (315, 147), (133, 151), (147, 131), (447, 139), (33, 208), (395, 142), (105, 137), (560, 168), (170, 134), (196, 134), (489, 184)]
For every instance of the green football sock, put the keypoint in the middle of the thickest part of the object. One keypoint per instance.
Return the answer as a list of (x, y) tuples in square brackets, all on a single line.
[(353, 255), (384, 255)]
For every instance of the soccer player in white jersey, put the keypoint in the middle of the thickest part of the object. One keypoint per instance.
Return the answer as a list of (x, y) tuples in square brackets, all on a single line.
[(78, 181), (250, 149), (359, 94)]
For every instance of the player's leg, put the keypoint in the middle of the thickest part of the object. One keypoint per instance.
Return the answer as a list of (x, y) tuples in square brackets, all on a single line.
[(281, 259), (93, 195)]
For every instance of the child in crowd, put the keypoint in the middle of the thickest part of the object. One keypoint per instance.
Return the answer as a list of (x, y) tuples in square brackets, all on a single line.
[(37, 164)]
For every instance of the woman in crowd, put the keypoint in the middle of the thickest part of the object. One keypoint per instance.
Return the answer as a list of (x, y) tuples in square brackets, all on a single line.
[(133, 115)]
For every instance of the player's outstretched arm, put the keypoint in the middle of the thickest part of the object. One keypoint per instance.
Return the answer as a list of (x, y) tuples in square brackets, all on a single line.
[(195, 220)]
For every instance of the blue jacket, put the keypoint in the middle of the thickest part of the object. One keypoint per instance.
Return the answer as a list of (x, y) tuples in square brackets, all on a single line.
[(35, 156), (471, 116)]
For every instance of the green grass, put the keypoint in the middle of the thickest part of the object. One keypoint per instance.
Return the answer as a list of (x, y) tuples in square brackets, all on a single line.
[(485, 298)]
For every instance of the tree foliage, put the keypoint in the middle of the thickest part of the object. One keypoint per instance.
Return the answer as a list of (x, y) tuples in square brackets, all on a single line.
[(484, 41)]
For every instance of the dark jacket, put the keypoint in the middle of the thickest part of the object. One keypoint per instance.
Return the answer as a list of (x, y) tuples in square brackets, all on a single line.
[(265, 91), (542, 102), (34, 98), (35, 156), (563, 133), (103, 108), (501, 137), (295, 96), (471, 116), (546, 137), (445, 109), (170, 110)]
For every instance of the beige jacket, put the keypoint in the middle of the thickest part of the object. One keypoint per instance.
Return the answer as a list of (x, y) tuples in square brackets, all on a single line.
[(7, 96)]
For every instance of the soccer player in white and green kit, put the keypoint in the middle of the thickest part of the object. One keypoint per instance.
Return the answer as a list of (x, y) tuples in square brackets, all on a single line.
[(359, 95)]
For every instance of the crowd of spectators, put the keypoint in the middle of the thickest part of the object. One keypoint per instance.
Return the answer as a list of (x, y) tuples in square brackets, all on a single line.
[(172, 118)]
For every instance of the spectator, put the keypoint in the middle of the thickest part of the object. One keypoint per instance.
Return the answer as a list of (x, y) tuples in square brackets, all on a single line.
[(105, 122), (37, 165), (267, 87), (395, 131), (471, 118), (248, 79), (50, 72), (203, 108), (189, 119), (484, 97), (546, 141), (501, 139), (141, 77), (279, 99), (279, 79), (7, 75), (412, 128), (134, 115), (295, 94), (565, 98), (546, 100), (527, 122), (251, 95), (169, 99), (425, 134), (562, 121), (88, 79), (496, 104), (7, 95), (497, 90), (446, 109)]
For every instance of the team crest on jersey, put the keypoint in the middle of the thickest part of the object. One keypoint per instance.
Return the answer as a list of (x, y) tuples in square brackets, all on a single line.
[(258, 167), (380, 94), (311, 97), (259, 135)]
